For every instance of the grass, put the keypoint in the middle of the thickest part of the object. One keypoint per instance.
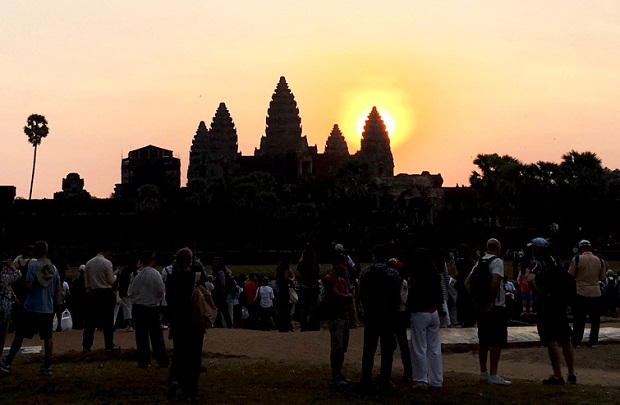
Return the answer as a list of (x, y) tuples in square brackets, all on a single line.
[(98, 377)]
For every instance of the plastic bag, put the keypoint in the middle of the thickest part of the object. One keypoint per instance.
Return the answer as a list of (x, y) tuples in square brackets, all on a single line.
[(66, 322)]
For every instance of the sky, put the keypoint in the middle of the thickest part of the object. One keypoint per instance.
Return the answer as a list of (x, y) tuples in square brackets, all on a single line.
[(453, 79)]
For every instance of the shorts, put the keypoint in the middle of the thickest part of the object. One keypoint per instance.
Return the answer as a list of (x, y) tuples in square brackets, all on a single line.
[(526, 296), (553, 326), (493, 328), (339, 334), (32, 323)]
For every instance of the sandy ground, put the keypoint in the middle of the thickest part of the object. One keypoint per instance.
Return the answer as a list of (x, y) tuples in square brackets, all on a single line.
[(312, 348)]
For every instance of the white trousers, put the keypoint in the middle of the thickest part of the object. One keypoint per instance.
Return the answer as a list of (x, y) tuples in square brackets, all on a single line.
[(426, 348)]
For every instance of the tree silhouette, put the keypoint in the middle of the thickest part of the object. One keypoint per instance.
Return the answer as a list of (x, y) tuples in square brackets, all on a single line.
[(36, 130)]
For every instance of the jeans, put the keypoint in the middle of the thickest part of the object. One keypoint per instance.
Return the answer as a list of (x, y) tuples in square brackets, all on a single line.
[(376, 330), (99, 313), (582, 306), (148, 328)]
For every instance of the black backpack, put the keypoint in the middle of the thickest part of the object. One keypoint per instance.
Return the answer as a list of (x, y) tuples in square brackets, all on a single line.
[(560, 287), (480, 283)]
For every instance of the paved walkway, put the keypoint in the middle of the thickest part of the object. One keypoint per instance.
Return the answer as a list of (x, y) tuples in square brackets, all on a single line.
[(449, 336)]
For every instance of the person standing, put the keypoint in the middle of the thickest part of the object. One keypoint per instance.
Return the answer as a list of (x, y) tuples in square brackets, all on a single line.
[(492, 316), (250, 292), (308, 270), (425, 304), (8, 276), (42, 281), (187, 337), (146, 292), (220, 293), (101, 299), (78, 299), (403, 322), (338, 299), (588, 270), (264, 299), (379, 291), (553, 327)]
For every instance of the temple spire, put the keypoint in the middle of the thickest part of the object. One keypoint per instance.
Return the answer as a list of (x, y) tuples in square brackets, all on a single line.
[(336, 145), (376, 145)]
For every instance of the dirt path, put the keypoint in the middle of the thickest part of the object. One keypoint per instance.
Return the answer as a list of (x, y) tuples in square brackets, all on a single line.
[(312, 348)]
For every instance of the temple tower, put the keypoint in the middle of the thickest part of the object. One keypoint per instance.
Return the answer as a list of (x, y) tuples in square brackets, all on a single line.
[(214, 152), (375, 148), (336, 145)]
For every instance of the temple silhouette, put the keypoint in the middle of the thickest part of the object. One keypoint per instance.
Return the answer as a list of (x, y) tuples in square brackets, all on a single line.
[(284, 152)]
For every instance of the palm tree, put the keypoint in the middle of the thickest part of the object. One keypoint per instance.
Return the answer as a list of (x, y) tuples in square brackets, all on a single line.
[(36, 130)]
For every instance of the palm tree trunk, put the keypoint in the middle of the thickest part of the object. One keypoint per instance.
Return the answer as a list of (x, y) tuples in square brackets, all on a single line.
[(34, 162)]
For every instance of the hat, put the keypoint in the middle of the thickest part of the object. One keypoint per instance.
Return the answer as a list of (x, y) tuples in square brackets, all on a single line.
[(82, 267), (395, 263), (538, 242), (339, 247), (584, 243), (44, 272)]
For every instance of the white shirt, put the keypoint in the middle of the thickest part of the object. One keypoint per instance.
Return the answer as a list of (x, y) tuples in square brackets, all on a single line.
[(266, 296)]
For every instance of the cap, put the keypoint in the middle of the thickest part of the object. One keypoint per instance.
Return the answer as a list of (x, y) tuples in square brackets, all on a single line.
[(82, 267), (395, 263), (584, 243), (538, 242), (339, 247)]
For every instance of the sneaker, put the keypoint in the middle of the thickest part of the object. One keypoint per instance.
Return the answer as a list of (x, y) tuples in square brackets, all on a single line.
[(484, 377), (339, 383), (5, 368), (342, 377), (553, 381), (114, 348), (572, 379), (129, 329), (499, 380), (420, 386), (45, 371)]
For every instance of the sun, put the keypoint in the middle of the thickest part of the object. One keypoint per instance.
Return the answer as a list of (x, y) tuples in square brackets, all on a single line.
[(394, 105), (390, 125)]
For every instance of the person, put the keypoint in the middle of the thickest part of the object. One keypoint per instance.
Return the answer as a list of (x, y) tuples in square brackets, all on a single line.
[(8, 276), (250, 292), (101, 299), (125, 277), (21, 263), (553, 326), (265, 297), (187, 337), (283, 281), (379, 290), (308, 269), (524, 285), (588, 270), (77, 300), (338, 299), (60, 302), (465, 261), (351, 276), (146, 292), (42, 281), (403, 322), (425, 304), (220, 293), (492, 318)]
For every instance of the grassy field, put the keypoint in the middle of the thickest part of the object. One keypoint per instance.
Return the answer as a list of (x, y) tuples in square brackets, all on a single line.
[(99, 378)]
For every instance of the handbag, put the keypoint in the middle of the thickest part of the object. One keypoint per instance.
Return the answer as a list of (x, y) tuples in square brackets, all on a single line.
[(292, 295), (257, 298)]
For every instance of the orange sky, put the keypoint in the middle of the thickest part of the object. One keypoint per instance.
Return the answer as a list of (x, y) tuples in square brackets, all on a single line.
[(529, 79)]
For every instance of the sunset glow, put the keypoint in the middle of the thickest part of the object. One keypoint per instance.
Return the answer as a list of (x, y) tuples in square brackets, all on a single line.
[(450, 82)]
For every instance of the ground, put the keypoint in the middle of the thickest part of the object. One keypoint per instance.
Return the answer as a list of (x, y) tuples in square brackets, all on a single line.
[(270, 367)]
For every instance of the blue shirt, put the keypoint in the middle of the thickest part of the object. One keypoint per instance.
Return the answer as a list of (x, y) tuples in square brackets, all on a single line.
[(40, 299)]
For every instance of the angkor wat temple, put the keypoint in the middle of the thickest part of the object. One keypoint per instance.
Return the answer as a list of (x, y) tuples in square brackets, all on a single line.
[(283, 151)]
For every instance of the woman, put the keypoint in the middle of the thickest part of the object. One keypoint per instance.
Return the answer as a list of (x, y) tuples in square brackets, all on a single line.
[(425, 302), (264, 299), (187, 337), (283, 280), (308, 269)]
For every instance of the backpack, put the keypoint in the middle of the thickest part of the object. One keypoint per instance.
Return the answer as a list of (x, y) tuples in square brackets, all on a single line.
[(205, 310), (560, 287), (480, 283)]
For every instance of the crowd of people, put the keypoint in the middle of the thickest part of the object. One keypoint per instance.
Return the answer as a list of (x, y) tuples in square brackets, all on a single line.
[(399, 291)]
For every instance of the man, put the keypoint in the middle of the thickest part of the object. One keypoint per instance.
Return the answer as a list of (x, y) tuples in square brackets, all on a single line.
[(553, 326), (492, 316), (250, 292), (337, 302), (219, 272), (42, 281), (350, 276), (146, 292), (379, 292), (588, 270), (101, 299)]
